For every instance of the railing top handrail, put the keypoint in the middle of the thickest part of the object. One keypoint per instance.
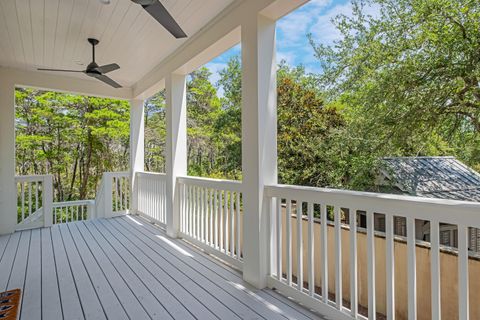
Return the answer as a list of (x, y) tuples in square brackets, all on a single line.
[(151, 174), (117, 173), (441, 210), (38, 177), (73, 203), (232, 185)]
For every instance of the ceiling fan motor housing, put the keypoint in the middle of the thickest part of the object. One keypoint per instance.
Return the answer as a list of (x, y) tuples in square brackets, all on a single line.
[(93, 41), (91, 68)]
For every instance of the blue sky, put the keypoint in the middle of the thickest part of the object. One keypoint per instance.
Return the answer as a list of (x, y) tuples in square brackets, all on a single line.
[(292, 44)]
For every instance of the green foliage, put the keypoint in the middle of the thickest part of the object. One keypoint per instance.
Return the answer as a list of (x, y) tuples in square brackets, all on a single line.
[(74, 138), (311, 135), (155, 133), (409, 77), (403, 83), (213, 125)]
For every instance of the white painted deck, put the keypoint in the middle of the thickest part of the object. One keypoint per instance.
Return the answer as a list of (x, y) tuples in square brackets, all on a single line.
[(126, 268)]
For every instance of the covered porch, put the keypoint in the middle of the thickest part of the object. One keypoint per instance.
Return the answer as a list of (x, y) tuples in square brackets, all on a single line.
[(101, 259), (127, 268)]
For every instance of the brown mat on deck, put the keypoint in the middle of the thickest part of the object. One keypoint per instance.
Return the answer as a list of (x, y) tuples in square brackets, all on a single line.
[(9, 304)]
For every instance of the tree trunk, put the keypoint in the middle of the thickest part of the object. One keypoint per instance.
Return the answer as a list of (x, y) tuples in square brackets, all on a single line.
[(86, 171)]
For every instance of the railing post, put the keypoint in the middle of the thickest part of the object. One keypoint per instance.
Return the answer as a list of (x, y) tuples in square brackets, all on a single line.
[(137, 149), (176, 151), (259, 142), (91, 212), (107, 194), (48, 200)]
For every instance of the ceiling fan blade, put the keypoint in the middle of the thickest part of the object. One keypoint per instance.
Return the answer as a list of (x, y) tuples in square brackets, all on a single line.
[(108, 68), (58, 70), (160, 13), (107, 80)]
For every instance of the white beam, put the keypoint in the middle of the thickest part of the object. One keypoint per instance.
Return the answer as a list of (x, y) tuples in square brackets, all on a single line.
[(176, 150), (57, 82), (216, 37), (137, 149), (259, 141), (8, 196), (279, 8), (220, 46)]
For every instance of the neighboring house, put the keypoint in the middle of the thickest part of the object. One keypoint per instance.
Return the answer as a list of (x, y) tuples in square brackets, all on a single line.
[(431, 177)]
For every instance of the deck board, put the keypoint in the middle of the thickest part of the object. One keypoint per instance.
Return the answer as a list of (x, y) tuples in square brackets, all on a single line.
[(7, 259), (164, 298), (127, 268), (125, 295), (19, 268), (143, 293), (183, 299), (92, 308), (32, 299), (203, 294), (226, 279), (240, 302), (71, 306), (51, 303), (111, 306)]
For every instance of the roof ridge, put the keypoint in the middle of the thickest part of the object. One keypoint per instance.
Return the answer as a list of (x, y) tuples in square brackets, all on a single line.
[(419, 157), (450, 190)]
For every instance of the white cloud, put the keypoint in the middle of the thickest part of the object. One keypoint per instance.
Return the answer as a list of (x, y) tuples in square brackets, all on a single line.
[(215, 68), (324, 31), (295, 25), (289, 57)]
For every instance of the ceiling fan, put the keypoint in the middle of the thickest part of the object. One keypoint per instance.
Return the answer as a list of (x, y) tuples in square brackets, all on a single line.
[(93, 69), (156, 9)]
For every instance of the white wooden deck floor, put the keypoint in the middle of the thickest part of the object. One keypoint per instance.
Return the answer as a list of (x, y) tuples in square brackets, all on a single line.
[(126, 268)]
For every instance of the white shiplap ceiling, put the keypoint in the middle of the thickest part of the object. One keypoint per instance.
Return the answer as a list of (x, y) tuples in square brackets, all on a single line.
[(53, 33)]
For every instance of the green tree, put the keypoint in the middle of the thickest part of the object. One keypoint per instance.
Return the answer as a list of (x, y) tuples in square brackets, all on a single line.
[(312, 135), (203, 108), (155, 133), (409, 76), (74, 138), (228, 126)]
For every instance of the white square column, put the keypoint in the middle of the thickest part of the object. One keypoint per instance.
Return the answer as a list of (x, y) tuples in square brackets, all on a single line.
[(259, 142), (137, 148), (8, 195), (176, 150)]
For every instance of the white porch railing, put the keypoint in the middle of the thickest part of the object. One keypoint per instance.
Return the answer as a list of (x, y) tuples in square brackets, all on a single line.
[(120, 192), (151, 193), (35, 206), (315, 242), (34, 201), (211, 216), (69, 211), (294, 212), (100, 198), (113, 194)]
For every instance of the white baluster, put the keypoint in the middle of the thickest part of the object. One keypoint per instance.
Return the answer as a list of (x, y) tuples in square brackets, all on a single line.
[(289, 242), (371, 264), (323, 209), (390, 266), (299, 246), (338, 258)]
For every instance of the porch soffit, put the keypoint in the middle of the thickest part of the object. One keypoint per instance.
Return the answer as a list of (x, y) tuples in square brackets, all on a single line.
[(52, 34)]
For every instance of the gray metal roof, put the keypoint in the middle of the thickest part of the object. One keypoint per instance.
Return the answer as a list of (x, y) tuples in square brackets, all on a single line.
[(432, 177)]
